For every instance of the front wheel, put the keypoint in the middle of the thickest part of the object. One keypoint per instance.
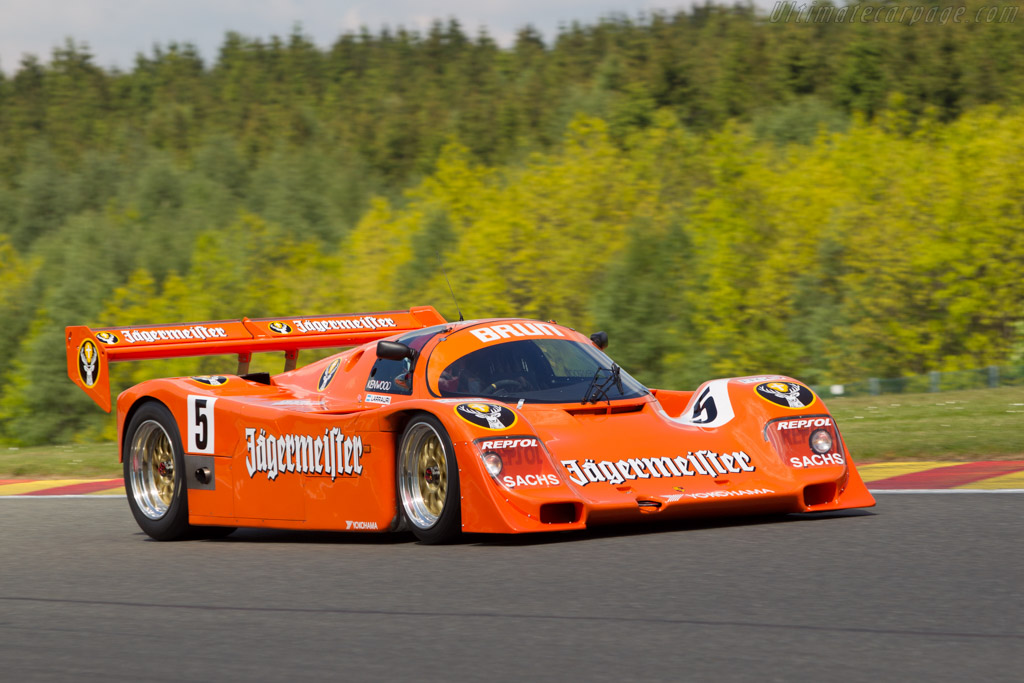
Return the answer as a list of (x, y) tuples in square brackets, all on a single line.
[(428, 481), (154, 473)]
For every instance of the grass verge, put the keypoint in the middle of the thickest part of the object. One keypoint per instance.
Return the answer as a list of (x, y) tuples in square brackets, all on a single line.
[(978, 424), (78, 461)]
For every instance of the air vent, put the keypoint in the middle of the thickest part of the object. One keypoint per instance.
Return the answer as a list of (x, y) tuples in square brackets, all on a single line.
[(560, 513), (606, 409), (819, 494)]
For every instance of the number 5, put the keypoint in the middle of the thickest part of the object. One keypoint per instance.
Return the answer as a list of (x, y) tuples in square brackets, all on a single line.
[(201, 434), (705, 410)]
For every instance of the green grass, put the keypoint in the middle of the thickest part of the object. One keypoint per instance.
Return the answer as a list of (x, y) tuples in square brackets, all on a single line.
[(979, 424), (78, 461)]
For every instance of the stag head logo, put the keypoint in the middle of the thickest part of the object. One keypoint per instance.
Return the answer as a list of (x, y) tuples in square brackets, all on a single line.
[(788, 394), (328, 374), (280, 327), (486, 415), (88, 360)]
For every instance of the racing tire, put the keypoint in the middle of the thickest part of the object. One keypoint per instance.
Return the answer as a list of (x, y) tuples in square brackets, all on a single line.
[(428, 481), (154, 473)]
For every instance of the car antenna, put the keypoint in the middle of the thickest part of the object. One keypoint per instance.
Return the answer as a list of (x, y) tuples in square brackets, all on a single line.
[(440, 264)]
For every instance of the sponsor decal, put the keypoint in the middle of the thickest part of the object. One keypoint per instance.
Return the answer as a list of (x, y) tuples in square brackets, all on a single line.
[(280, 327), (201, 425), (496, 332), (377, 398), (487, 415), (194, 333), (333, 454), (378, 385), (760, 378), (701, 463), (817, 460), (515, 452), (88, 363), (718, 494), (523, 480), (299, 402), (328, 374), (803, 424), (367, 322), (107, 337), (498, 445), (210, 380), (785, 394), (711, 406), (359, 526)]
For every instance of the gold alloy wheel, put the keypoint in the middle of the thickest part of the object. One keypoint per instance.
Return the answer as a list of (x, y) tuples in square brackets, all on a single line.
[(152, 469), (423, 475)]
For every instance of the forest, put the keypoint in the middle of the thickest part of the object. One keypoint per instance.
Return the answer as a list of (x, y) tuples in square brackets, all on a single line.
[(721, 192)]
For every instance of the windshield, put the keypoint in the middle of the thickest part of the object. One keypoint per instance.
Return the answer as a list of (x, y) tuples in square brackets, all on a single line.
[(537, 370)]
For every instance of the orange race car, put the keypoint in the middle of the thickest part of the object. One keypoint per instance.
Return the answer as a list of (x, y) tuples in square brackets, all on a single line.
[(495, 426)]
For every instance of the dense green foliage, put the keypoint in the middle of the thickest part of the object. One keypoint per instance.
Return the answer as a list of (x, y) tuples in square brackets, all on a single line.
[(723, 193)]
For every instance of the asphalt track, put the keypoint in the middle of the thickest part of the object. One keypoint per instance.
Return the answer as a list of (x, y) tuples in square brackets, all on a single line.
[(922, 587)]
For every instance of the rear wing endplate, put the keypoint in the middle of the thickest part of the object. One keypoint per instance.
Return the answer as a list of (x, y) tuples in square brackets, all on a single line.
[(90, 352)]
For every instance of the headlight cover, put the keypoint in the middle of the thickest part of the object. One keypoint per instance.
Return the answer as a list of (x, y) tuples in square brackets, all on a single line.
[(806, 442), (517, 462), (821, 441)]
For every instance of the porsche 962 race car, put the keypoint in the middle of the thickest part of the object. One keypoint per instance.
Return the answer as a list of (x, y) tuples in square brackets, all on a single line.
[(493, 426)]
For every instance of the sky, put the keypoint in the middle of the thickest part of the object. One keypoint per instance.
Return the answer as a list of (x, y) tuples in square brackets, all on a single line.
[(116, 30)]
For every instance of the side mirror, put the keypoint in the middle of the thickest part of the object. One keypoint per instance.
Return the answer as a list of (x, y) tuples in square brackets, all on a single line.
[(394, 351), (600, 340)]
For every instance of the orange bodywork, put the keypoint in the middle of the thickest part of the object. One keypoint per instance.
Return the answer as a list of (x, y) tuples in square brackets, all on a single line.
[(314, 448)]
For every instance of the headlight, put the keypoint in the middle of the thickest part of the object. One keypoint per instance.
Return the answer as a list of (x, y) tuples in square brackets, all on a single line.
[(492, 461), (821, 441)]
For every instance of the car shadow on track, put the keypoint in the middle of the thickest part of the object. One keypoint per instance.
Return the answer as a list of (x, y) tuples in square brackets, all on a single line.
[(252, 535), (655, 527)]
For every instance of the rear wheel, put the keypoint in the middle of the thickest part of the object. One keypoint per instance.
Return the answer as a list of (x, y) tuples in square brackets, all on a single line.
[(154, 473), (428, 481)]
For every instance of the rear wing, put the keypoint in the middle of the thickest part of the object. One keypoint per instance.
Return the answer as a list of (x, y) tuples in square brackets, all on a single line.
[(90, 352)]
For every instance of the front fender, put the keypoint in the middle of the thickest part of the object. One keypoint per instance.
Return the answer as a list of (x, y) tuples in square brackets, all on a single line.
[(487, 506)]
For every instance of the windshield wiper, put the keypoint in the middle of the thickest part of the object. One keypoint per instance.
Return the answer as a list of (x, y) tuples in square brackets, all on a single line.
[(598, 389)]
